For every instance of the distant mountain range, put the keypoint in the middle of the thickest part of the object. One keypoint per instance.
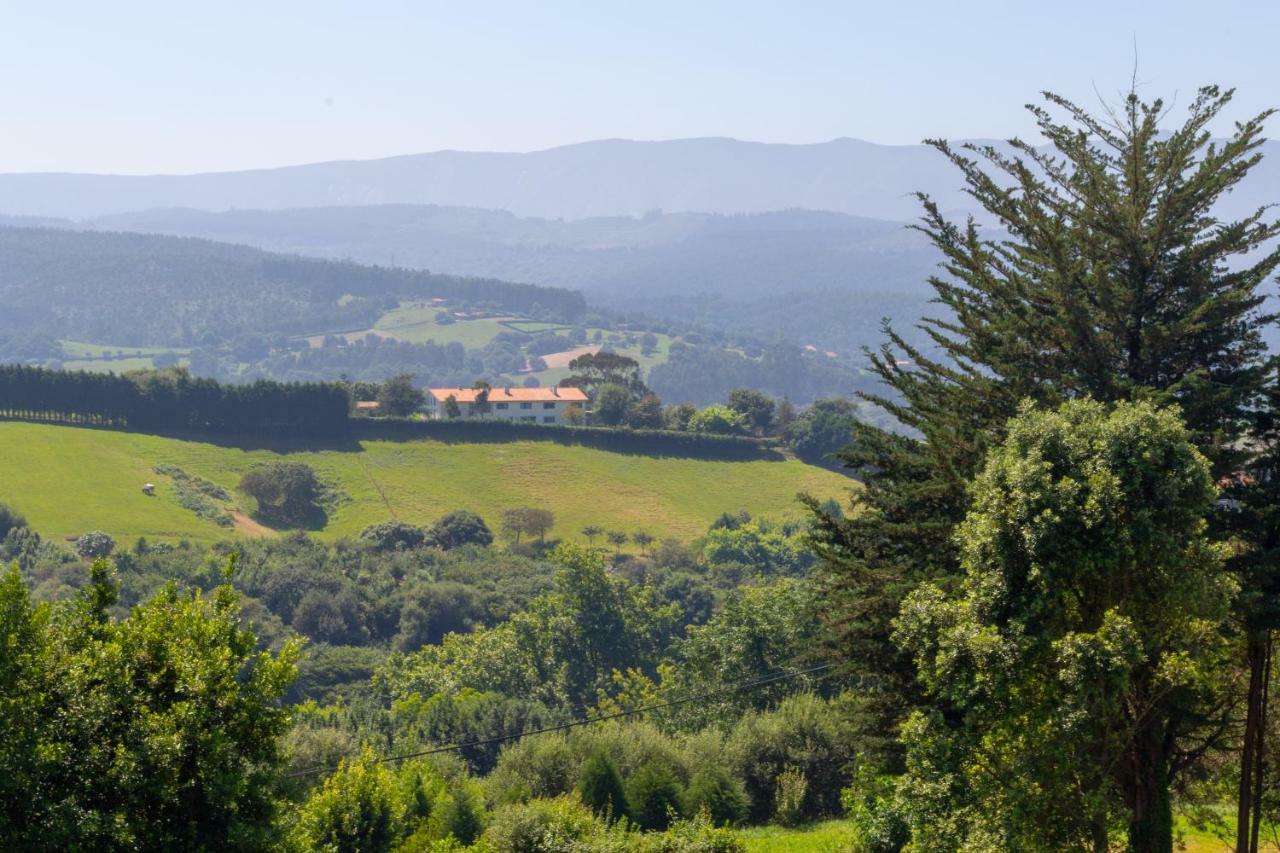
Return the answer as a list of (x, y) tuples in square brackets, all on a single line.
[(591, 179)]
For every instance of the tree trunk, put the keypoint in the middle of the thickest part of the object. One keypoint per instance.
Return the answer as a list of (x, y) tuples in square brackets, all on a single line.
[(1151, 818), (1260, 759), (1255, 652)]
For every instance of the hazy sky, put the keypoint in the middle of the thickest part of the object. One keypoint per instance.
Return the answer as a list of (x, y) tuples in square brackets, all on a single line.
[(184, 86)]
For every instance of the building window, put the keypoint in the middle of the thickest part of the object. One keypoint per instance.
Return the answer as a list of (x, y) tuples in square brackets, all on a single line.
[(531, 419), (548, 405), (549, 419), (526, 405), (500, 405)]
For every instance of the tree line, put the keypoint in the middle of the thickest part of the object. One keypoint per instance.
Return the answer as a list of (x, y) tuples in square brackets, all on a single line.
[(171, 399)]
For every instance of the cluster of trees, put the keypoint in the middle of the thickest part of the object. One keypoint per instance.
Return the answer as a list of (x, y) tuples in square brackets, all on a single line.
[(171, 399), (162, 291), (1059, 633)]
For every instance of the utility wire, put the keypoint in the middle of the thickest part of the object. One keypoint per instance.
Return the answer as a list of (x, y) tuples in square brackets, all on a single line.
[(628, 712)]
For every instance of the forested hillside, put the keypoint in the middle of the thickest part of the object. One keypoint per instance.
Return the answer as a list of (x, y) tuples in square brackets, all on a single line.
[(152, 290)]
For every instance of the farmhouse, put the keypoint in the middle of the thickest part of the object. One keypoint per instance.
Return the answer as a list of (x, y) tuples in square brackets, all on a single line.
[(534, 405)]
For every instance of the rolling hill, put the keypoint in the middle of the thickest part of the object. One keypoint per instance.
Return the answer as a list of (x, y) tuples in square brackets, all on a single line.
[(602, 178), (69, 480)]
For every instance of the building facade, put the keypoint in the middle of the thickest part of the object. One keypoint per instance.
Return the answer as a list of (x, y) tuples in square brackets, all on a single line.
[(529, 405)]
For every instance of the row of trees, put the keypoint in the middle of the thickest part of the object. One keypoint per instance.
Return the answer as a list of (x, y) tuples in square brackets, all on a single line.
[(171, 399), (1042, 610)]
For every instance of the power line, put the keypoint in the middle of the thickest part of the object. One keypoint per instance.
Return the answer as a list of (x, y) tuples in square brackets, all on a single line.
[(585, 721)]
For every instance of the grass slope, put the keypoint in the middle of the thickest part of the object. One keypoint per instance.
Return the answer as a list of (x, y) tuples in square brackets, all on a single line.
[(69, 480)]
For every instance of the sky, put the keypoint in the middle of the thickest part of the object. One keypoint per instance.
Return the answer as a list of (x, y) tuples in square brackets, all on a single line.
[(180, 86)]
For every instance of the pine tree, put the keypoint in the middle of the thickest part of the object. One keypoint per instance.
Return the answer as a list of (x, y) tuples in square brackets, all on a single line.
[(1103, 273)]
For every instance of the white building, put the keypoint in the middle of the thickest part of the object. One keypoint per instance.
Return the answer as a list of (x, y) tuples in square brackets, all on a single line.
[(533, 405)]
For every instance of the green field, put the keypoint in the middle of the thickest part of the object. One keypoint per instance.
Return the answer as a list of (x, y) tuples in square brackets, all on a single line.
[(417, 324), (68, 480)]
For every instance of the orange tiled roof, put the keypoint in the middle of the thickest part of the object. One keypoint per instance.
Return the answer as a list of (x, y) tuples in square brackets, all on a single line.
[(512, 395)]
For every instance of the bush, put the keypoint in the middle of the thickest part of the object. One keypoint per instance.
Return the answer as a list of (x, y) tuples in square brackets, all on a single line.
[(286, 492), (653, 794), (394, 536), (718, 420), (95, 545), (600, 787), (723, 798), (877, 817), (457, 812), (789, 805), (355, 809), (459, 528), (10, 519), (541, 826), (805, 733)]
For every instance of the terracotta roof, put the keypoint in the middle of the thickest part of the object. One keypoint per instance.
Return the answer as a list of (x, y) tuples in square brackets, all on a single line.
[(512, 395), (367, 404)]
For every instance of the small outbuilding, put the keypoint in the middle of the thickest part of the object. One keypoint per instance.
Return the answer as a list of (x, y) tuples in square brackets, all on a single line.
[(149, 489)]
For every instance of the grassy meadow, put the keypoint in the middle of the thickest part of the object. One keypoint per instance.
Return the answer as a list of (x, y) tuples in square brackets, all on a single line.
[(68, 480)]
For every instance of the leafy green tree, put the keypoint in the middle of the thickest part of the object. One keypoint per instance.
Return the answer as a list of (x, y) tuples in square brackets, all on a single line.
[(591, 531), (822, 430), (10, 519), (644, 539), (451, 407), (617, 538), (356, 810), (95, 545), (756, 408), (654, 795), (1109, 276), (600, 786), (723, 797), (611, 405), (720, 420), (458, 528), (1090, 622), (677, 417), (394, 536), (158, 731), (398, 397), (645, 413), (286, 492)]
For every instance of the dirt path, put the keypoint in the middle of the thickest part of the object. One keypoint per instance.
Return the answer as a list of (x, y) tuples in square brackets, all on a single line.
[(246, 525)]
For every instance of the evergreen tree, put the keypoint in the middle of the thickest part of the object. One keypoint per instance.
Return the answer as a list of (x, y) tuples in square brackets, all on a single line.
[(1109, 277), (600, 787)]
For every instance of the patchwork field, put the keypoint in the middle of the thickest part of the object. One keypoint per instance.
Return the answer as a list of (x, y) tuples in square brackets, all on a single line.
[(68, 480)]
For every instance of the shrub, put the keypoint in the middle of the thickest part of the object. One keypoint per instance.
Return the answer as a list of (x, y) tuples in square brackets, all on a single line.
[(10, 519), (95, 545), (875, 812), (600, 787), (459, 528), (394, 536), (805, 733), (541, 826), (696, 835), (286, 492), (723, 798), (789, 797), (653, 794), (355, 809), (457, 813), (718, 420)]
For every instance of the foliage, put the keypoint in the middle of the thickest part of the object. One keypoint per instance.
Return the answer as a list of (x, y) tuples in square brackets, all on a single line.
[(1090, 622), (460, 527), (654, 796), (10, 519), (611, 405), (755, 407), (804, 733), (1105, 274), (398, 397), (718, 420), (790, 791), (822, 429), (529, 520), (286, 492), (600, 787), (541, 826), (95, 545), (722, 797), (394, 536), (356, 810), (158, 731)]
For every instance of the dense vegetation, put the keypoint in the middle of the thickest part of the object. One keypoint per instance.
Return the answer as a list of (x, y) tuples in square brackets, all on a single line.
[(153, 290)]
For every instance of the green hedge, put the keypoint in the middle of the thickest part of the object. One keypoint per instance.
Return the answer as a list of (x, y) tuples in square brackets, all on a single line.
[(649, 442)]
